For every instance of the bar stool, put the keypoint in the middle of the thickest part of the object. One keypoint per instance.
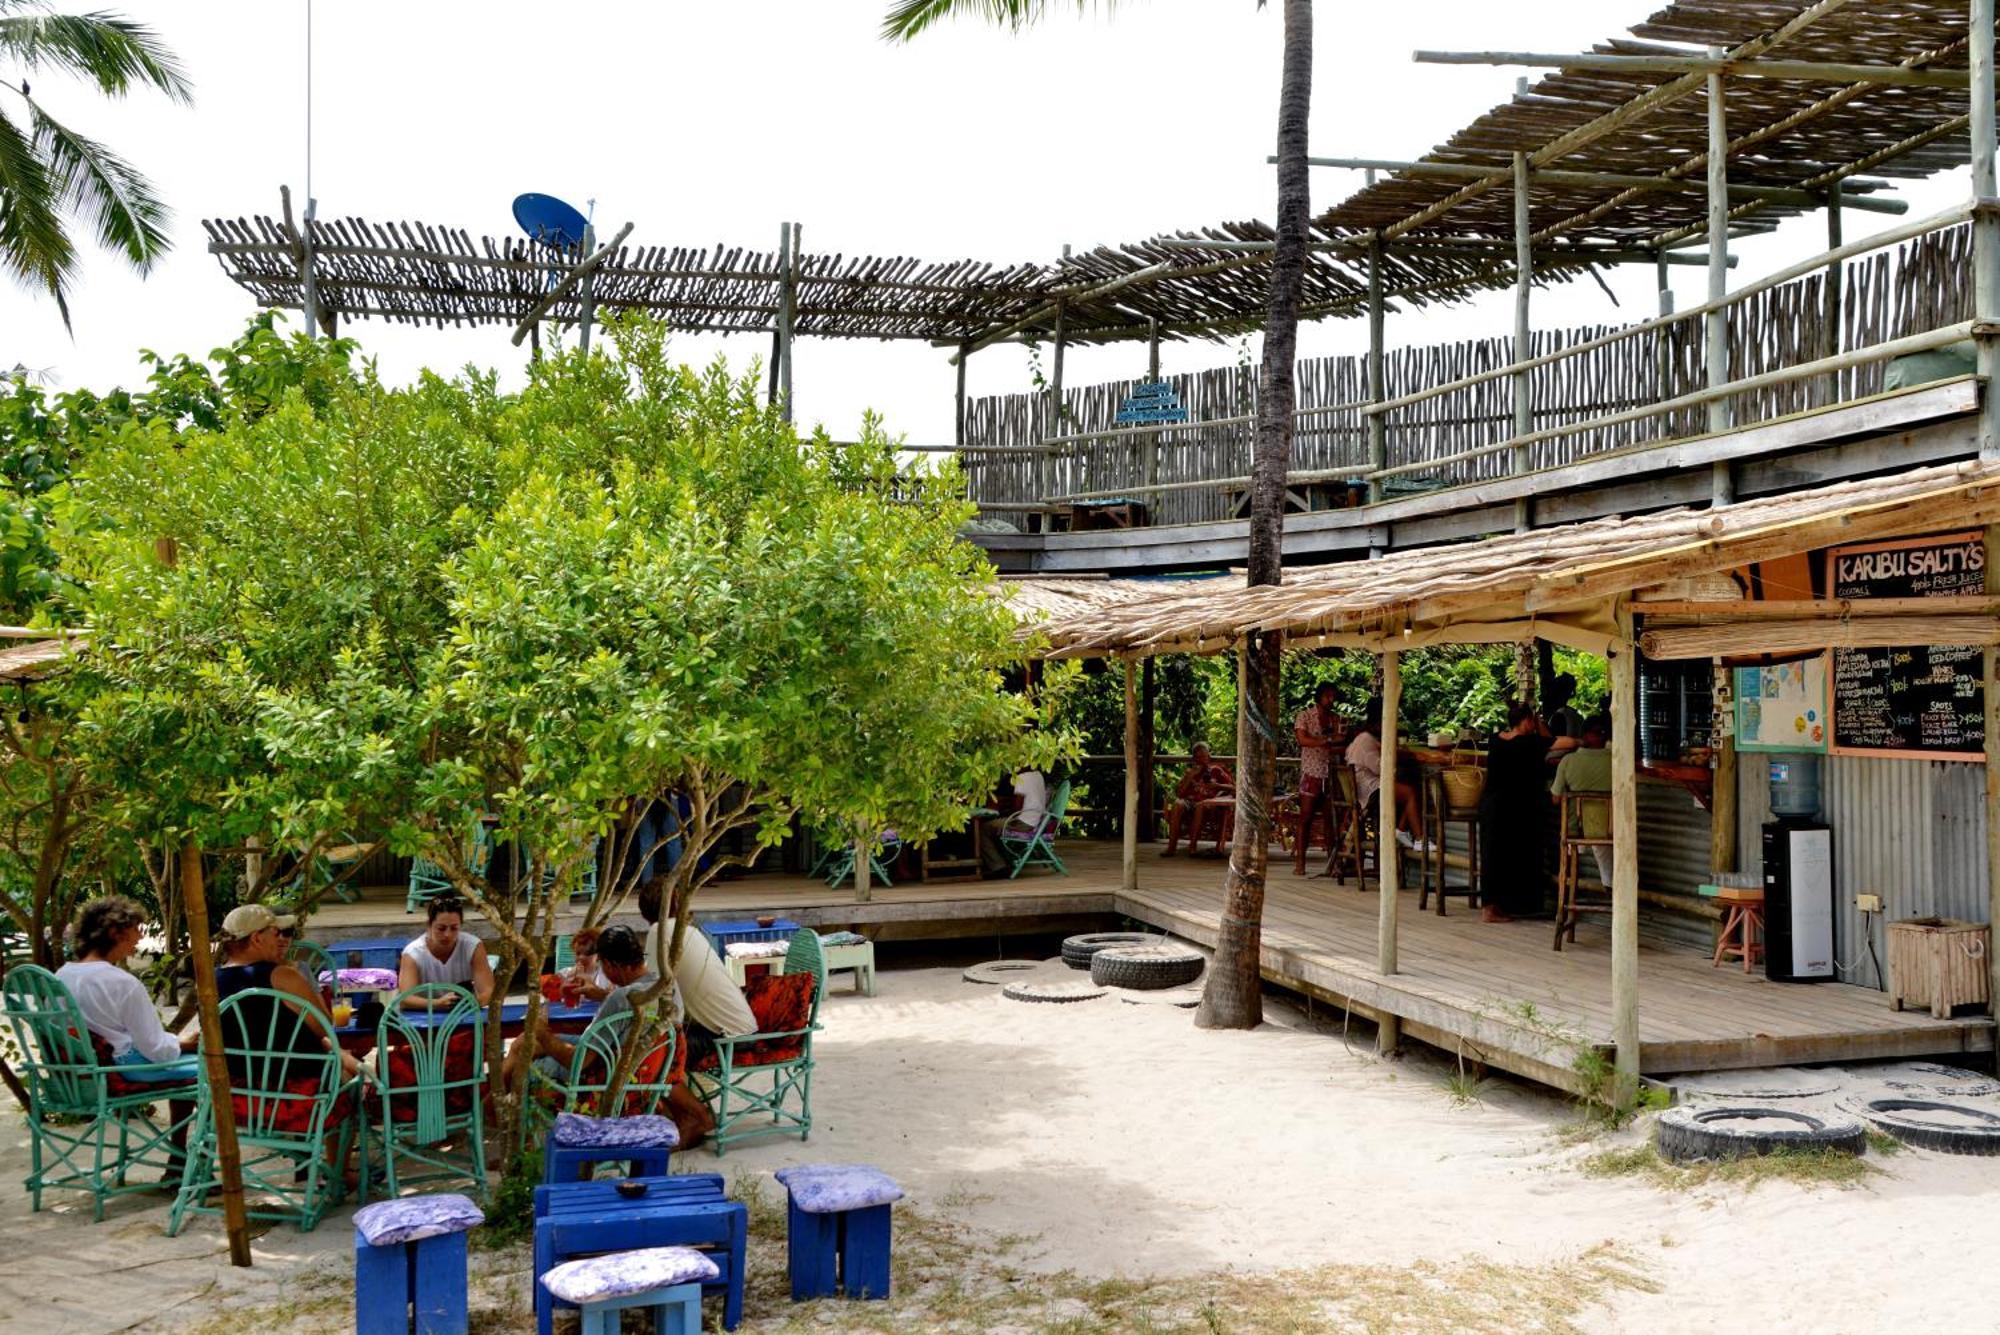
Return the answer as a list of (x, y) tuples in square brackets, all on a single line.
[(837, 1229), (1438, 814), (1569, 908), (1353, 822), (1743, 928), (409, 1265)]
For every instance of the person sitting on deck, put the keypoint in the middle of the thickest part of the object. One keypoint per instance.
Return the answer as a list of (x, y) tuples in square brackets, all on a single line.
[(1317, 729), (253, 950), (1364, 756), (1587, 769), (1031, 786), (445, 953), (1205, 779)]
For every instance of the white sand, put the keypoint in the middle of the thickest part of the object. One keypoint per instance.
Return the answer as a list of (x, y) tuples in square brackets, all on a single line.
[(1125, 1141)]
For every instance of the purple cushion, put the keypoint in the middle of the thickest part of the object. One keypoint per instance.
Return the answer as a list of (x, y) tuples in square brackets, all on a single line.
[(830, 1188), (574, 1131), (364, 980), (413, 1218), (622, 1274)]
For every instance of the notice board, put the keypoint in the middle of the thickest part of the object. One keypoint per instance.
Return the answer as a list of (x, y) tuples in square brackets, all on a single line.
[(1918, 701), (1782, 707)]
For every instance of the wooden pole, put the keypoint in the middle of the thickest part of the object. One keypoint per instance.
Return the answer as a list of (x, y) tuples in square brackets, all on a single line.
[(1378, 429), (958, 419), (1985, 228), (1388, 863), (1129, 877), (1833, 293), (1717, 61), (311, 281), (1054, 412), (1624, 860), (1150, 442), (222, 1108), (1722, 793), (1524, 285), (587, 300), (1722, 488), (1990, 685), (789, 309), (1148, 749)]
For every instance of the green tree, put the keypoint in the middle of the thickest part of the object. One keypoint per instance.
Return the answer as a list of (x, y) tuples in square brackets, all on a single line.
[(50, 173)]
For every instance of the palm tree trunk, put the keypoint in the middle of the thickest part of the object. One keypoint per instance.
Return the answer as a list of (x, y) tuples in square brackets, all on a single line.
[(1233, 998)]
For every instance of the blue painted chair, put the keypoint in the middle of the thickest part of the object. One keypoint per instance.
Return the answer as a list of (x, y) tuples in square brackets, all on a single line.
[(665, 1281), (837, 1229), (579, 1219), (428, 880), (431, 1072), (1028, 846), (577, 1143), (409, 1265)]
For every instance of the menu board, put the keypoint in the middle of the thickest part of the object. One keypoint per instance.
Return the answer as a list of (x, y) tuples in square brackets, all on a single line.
[(1782, 707), (1919, 701)]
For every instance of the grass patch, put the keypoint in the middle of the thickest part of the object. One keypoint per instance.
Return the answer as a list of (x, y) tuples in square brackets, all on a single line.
[(1881, 1142), (1463, 1088), (1804, 1166)]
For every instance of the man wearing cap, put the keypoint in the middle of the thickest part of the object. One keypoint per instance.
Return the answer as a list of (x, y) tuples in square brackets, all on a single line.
[(253, 947), (621, 956)]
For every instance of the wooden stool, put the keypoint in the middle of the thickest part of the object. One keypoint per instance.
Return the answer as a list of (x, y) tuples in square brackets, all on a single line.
[(576, 1143), (1569, 864), (409, 1265), (837, 1229), (665, 1281), (1438, 814), (1743, 928)]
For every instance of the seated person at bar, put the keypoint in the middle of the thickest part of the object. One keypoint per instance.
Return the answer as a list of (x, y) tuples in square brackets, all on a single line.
[(445, 953), (1032, 788), (1564, 723), (705, 996), (1513, 818), (253, 948), (1317, 729), (1587, 769), (586, 977), (1205, 778), (1364, 756)]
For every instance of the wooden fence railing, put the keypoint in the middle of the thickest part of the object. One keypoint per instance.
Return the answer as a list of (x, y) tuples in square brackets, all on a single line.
[(1458, 423)]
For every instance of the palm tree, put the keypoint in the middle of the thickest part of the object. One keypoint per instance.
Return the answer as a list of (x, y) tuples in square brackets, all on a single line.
[(1233, 998), (48, 172)]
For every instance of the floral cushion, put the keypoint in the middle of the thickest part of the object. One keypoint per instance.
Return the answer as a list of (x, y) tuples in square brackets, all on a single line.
[(365, 980), (413, 1218), (399, 1068), (780, 1004), (830, 1188), (622, 1274), (649, 1132), (757, 950)]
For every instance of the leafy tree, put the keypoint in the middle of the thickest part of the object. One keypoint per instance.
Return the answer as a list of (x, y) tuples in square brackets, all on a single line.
[(49, 173)]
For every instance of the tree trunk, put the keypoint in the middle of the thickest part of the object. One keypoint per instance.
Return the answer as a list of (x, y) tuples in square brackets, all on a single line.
[(1233, 998)]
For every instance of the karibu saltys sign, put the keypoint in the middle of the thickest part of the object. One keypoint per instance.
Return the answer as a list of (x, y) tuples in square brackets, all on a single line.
[(1921, 701)]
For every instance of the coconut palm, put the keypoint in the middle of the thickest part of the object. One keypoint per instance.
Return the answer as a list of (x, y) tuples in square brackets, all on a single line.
[(49, 173), (1233, 996)]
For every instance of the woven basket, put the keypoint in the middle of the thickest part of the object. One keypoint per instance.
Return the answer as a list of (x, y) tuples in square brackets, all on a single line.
[(1463, 785)]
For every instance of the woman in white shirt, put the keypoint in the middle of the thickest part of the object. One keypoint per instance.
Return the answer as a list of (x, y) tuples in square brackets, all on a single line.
[(445, 954), (114, 1002)]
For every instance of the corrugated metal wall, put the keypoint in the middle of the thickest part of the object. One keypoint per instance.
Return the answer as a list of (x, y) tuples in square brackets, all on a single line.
[(1673, 859), (1911, 831)]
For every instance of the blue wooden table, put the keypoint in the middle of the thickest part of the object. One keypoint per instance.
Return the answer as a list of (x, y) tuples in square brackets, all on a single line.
[(513, 1017), (575, 1219)]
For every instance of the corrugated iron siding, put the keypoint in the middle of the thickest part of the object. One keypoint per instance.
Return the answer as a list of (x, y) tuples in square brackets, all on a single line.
[(1911, 831), (1673, 859)]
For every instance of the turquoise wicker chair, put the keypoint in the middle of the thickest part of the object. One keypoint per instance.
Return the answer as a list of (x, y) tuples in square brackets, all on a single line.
[(332, 864), (428, 881), (290, 1106), (88, 1125), (838, 860), (743, 1081), (1029, 847), (430, 1072), (585, 886), (582, 1087), (314, 962)]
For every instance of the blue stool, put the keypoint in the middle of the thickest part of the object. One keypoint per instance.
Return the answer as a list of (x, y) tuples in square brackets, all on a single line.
[(409, 1265), (576, 1142), (665, 1281), (837, 1229)]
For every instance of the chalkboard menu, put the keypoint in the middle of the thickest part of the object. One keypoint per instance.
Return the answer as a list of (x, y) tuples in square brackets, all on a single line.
[(1919, 700)]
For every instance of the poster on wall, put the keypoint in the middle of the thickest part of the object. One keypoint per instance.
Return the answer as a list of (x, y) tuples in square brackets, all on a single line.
[(1782, 707), (1916, 701)]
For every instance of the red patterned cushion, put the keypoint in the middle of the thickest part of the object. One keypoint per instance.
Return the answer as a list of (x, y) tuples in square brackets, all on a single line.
[(292, 1112), (780, 1003), (461, 1060)]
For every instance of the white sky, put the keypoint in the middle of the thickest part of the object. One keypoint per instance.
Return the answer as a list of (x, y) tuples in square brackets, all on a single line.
[(707, 123)]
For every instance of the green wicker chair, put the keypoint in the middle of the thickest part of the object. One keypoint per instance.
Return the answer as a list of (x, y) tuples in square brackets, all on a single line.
[(1028, 847), (88, 1125), (430, 1071), (837, 863), (582, 1087), (290, 1105), (428, 881), (314, 962), (331, 864), (745, 1081)]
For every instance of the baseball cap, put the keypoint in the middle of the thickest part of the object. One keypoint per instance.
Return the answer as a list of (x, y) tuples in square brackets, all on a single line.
[(249, 919)]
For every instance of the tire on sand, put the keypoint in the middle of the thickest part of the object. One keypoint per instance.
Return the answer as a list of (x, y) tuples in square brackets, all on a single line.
[(1052, 993), (1000, 971), (1077, 950), (1951, 1128), (1146, 968), (1695, 1132)]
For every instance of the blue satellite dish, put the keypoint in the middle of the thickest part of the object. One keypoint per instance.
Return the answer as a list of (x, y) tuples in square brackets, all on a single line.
[(549, 221)]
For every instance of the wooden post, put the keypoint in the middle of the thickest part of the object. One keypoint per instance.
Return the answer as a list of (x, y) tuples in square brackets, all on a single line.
[(781, 335), (1129, 878), (1524, 283), (958, 418), (863, 848), (1148, 749), (791, 294), (1985, 230), (1720, 416), (1831, 388), (1722, 795), (586, 296), (1625, 860), (1389, 866), (310, 285), (1149, 445), (1055, 427), (1378, 431), (228, 1157), (1663, 339), (1990, 684)]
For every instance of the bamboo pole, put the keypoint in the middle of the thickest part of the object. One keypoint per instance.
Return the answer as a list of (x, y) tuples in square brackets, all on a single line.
[(222, 1108), (1129, 869), (1624, 861), (1387, 855), (1524, 285), (1985, 231), (1458, 171), (1715, 63), (1715, 338), (1378, 427)]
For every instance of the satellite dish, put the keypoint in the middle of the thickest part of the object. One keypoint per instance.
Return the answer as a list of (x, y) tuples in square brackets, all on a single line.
[(549, 221)]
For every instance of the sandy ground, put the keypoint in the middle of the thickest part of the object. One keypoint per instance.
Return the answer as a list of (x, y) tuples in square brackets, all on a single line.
[(1116, 1140)]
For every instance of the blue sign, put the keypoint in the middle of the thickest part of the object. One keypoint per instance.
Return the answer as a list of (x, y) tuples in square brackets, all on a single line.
[(1151, 402)]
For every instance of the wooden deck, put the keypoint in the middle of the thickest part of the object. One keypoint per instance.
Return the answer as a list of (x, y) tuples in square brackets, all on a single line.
[(1496, 993)]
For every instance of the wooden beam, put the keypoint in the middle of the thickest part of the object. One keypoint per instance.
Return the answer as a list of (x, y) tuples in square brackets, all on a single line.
[(1715, 326), (1624, 862), (1524, 382), (1377, 426), (1678, 612), (577, 274), (1783, 637), (1388, 852), (1798, 71), (1722, 790), (1129, 865), (1459, 171)]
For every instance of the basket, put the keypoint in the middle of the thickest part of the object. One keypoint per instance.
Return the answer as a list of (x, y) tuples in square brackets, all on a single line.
[(1463, 786), (1939, 963)]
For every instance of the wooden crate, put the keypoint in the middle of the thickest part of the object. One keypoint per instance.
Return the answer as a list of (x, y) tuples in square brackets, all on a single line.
[(1939, 963)]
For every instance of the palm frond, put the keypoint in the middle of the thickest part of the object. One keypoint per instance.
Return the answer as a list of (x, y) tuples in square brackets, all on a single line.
[(33, 245), (907, 18), (110, 192), (113, 52)]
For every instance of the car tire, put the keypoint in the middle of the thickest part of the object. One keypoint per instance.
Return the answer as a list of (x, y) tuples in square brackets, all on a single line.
[(1695, 1132), (1077, 950), (1976, 1130), (1000, 972), (1054, 994), (1146, 968)]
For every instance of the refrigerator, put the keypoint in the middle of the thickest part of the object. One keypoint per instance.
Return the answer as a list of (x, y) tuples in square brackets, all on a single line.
[(1798, 901)]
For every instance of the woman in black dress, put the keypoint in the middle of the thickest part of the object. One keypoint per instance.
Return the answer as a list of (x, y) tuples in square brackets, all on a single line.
[(1513, 812)]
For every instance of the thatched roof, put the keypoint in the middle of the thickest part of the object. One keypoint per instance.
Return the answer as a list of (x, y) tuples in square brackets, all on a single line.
[(33, 659), (1526, 583)]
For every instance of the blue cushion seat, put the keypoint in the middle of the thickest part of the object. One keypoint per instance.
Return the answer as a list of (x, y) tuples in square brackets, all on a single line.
[(834, 1188), (596, 1279), (414, 1218), (647, 1132)]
